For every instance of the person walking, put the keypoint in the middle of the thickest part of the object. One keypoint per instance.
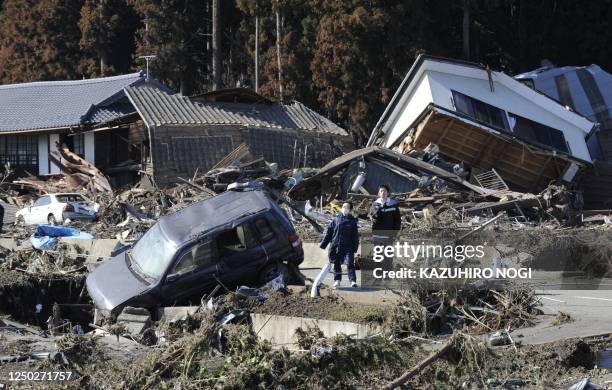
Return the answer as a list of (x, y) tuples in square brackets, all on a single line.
[(342, 236)]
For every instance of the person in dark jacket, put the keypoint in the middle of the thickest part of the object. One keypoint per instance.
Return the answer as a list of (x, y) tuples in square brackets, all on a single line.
[(343, 235), (386, 221)]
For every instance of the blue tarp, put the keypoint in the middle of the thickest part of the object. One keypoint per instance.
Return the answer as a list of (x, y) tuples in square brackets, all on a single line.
[(46, 236)]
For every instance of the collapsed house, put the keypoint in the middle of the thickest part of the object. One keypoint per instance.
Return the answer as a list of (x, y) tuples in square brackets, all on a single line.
[(486, 121), (191, 134), (128, 126), (584, 89)]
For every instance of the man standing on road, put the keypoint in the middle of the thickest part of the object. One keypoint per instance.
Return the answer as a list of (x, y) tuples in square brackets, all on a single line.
[(386, 221), (344, 237)]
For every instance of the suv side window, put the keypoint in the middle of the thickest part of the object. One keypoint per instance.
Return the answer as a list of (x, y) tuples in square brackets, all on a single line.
[(199, 256), (264, 230), (45, 200), (235, 240)]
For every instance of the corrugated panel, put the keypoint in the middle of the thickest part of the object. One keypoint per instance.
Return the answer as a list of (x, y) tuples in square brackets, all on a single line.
[(52, 104), (161, 108), (191, 153)]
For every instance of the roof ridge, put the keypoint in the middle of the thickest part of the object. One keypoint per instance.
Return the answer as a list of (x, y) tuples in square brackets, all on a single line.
[(138, 74)]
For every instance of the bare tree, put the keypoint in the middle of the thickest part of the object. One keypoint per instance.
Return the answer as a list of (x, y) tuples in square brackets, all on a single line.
[(216, 44)]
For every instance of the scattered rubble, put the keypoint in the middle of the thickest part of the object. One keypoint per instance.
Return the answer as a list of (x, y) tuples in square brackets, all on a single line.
[(446, 337)]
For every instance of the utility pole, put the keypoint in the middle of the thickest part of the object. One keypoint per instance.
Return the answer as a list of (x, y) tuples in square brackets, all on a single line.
[(102, 54), (278, 56), (466, 29), (256, 46), (216, 44)]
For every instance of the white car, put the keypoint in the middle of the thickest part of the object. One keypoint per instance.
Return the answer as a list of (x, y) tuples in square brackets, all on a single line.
[(53, 209)]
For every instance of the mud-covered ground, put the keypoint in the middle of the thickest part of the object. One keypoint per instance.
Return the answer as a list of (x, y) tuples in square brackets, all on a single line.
[(330, 307)]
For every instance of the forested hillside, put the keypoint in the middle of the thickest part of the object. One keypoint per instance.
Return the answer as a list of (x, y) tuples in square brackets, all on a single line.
[(343, 58)]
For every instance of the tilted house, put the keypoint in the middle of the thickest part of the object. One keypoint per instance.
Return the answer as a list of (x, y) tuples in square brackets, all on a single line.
[(487, 120), (189, 134)]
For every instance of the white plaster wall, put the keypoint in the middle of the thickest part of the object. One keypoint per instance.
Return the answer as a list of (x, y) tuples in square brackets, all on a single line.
[(53, 139), (507, 99), (413, 105), (43, 154), (90, 148)]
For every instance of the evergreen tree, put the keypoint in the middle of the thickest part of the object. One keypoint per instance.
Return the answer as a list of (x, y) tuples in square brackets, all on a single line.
[(107, 37), (176, 32), (39, 40)]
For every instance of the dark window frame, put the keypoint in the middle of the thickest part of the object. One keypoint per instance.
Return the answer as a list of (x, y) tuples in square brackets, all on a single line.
[(78, 144), (539, 133), (480, 111), (176, 268), (47, 201), (261, 237), (21, 151)]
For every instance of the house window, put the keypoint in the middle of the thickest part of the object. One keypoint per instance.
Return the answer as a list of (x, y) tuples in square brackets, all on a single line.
[(480, 111), (536, 132), (21, 151), (78, 144)]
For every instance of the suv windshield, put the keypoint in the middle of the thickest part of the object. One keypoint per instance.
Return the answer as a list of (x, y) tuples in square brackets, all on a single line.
[(152, 253)]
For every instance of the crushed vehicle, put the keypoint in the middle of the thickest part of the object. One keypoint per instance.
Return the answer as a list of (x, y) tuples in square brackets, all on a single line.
[(56, 208), (231, 239)]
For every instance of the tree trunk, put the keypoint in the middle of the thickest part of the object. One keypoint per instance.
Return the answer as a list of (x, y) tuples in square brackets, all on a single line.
[(466, 29), (256, 47), (278, 56), (216, 44)]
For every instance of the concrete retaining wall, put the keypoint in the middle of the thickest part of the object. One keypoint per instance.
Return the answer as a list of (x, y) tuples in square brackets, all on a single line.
[(280, 330)]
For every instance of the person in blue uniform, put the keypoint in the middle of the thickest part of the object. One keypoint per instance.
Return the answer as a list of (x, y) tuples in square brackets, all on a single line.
[(343, 237)]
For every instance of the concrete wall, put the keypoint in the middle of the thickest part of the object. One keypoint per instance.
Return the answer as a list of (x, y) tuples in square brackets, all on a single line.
[(280, 330)]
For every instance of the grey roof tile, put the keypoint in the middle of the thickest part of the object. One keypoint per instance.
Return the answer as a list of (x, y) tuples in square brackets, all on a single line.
[(57, 104), (159, 107)]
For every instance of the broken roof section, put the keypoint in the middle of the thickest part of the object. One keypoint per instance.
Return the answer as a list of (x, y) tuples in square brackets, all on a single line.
[(64, 104), (585, 89), (159, 108), (408, 167), (486, 120)]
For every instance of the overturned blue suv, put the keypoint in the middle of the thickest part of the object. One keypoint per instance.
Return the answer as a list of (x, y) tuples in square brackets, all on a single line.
[(231, 239)]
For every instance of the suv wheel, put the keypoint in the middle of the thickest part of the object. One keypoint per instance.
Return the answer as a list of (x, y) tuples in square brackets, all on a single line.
[(51, 220), (271, 271)]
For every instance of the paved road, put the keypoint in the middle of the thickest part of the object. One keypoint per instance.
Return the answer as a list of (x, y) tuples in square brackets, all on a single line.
[(591, 310)]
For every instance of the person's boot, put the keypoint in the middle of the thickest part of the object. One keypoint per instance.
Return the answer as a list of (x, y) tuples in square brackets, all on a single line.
[(354, 284)]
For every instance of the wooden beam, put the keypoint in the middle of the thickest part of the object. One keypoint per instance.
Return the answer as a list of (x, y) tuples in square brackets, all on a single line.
[(450, 123), (477, 158), (542, 170)]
